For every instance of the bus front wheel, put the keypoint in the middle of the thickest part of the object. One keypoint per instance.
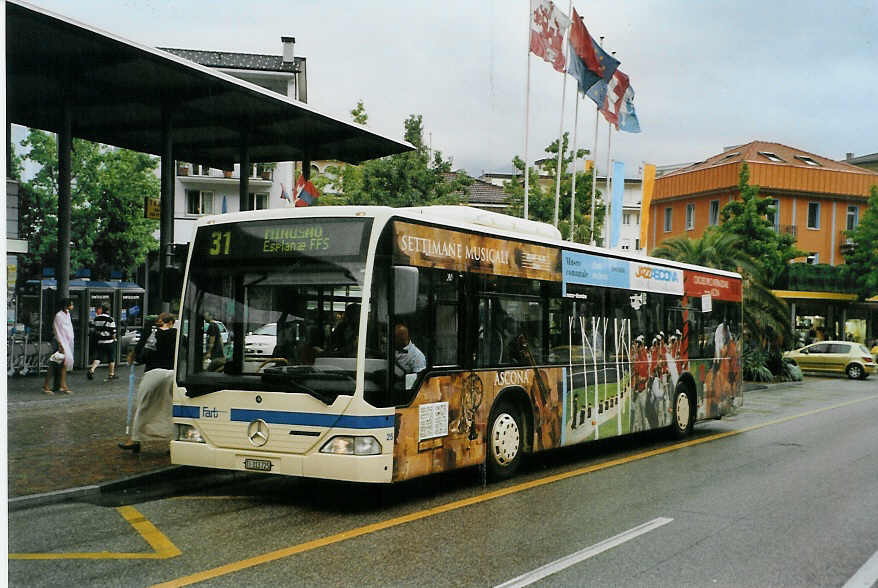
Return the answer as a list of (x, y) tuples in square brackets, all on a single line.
[(504, 445), (682, 421)]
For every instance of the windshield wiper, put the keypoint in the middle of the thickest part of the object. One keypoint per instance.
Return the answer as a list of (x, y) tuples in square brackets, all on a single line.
[(292, 378), (326, 399)]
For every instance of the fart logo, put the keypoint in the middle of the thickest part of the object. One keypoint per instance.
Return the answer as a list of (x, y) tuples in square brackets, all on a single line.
[(211, 413)]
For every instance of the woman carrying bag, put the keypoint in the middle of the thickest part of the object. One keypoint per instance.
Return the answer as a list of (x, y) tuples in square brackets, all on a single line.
[(152, 414), (62, 331)]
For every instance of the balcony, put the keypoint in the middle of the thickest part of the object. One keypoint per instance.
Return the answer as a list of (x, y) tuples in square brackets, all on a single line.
[(846, 244), (786, 230)]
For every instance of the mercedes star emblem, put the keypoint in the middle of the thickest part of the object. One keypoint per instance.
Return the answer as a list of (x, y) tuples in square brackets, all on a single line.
[(257, 432)]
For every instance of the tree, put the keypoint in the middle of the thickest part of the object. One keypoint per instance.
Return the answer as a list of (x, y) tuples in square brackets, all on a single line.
[(541, 201), (747, 217), (766, 318), (715, 249), (861, 265), (108, 187), (404, 179), (358, 114)]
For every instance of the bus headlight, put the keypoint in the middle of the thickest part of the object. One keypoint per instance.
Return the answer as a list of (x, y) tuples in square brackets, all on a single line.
[(350, 445), (189, 433)]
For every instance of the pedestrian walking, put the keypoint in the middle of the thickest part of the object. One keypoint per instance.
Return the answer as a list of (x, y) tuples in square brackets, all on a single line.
[(62, 344), (105, 342), (152, 413)]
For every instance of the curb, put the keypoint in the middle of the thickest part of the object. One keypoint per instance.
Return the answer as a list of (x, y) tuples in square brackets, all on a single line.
[(172, 478), (70, 494), (754, 386)]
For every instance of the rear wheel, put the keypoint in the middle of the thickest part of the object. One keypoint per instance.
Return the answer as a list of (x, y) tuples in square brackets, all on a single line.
[(855, 371), (682, 421), (504, 441)]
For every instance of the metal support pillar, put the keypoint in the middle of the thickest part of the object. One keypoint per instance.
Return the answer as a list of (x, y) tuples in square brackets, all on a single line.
[(244, 182), (65, 147), (166, 222)]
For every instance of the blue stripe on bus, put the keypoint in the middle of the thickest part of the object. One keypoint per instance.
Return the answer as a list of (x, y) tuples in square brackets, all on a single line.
[(313, 419), (187, 412)]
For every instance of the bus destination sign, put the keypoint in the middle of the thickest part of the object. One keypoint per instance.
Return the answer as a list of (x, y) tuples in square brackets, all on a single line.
[(284, 238)]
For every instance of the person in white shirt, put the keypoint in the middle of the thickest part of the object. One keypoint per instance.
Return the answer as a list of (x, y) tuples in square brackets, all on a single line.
[(62, 328), (408, 357)]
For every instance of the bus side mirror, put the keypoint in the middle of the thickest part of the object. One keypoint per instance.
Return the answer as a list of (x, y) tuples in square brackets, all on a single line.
[(405, 288)]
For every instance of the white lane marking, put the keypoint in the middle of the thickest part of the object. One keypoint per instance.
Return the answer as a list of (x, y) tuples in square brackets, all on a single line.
[(574, 558), (866, 576)]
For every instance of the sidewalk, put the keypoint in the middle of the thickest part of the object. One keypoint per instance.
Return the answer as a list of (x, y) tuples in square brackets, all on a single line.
[(61, 442)]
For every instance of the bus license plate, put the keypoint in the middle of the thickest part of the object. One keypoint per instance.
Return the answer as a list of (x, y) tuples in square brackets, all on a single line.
[(260, 465)]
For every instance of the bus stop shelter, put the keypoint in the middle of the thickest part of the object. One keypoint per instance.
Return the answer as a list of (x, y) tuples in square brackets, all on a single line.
[(77, 81)]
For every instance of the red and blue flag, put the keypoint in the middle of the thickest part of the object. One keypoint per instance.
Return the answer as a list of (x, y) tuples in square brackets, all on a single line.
[(306, 193), (589, 63)]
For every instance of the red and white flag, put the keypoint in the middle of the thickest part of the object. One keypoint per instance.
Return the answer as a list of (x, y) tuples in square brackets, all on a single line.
[(547, 28), (615, 98)]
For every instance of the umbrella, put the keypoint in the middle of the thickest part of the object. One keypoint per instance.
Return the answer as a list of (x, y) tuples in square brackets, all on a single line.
[(130, 398)]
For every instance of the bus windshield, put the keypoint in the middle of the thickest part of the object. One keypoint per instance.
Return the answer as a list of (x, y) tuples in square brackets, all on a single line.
[(274, 306)]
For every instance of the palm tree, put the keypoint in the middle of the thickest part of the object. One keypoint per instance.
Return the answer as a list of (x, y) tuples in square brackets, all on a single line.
[(766, 318), (713, 249)]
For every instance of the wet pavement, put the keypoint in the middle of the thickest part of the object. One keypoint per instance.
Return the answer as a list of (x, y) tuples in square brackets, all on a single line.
[(68, 441)]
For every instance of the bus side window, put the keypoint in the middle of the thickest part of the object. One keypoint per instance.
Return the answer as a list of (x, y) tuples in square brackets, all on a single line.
[(446, 327)]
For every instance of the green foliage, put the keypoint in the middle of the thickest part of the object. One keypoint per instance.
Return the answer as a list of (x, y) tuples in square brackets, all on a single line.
[(358, 114), (861, 265), (541, 201), (108, 186), (713, 249), (405, 179), (766, 318), (748, 217), (754, 365)]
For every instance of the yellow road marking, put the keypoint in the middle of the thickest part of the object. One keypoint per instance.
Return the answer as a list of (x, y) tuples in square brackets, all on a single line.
[(162, 546), (416, 516)]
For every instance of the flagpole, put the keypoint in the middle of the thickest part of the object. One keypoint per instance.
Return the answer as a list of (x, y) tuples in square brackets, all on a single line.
[(527, 124), (607, 197), (594, 171), (561, 127), (573, 185)]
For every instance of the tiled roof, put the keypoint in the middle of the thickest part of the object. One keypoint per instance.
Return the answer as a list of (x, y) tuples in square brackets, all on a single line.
[(481, 192), (486, 193), (873, 158), (224, 59), (771, 153)]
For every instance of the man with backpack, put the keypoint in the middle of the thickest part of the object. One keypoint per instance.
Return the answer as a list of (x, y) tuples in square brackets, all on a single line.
[(105, 342)]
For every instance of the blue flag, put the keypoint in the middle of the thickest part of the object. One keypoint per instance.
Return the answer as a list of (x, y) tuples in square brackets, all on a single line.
[(627, 117), (616, 206)]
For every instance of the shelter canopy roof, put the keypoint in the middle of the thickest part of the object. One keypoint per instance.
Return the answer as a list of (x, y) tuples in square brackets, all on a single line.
[(117, 91)]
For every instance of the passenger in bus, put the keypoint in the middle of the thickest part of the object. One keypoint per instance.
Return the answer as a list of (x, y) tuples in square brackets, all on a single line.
[(213, 350), (408, 357), (343, 339)]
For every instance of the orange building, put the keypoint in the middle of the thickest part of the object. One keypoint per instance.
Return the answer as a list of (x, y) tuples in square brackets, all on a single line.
[(817, 199)]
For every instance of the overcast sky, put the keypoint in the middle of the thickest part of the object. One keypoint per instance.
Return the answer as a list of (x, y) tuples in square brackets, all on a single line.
[(707, 74)]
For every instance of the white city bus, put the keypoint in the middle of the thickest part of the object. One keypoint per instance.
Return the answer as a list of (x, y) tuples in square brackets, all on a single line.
[(524, 343)]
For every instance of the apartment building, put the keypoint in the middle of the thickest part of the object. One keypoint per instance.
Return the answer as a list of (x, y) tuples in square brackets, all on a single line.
[(200, 189), (816, 199)]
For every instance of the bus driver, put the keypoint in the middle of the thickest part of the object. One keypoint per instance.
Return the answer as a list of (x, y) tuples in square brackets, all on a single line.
[(409, 358)]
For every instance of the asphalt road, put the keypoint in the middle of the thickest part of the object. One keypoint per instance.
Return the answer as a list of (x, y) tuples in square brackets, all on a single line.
[(783, 494)]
